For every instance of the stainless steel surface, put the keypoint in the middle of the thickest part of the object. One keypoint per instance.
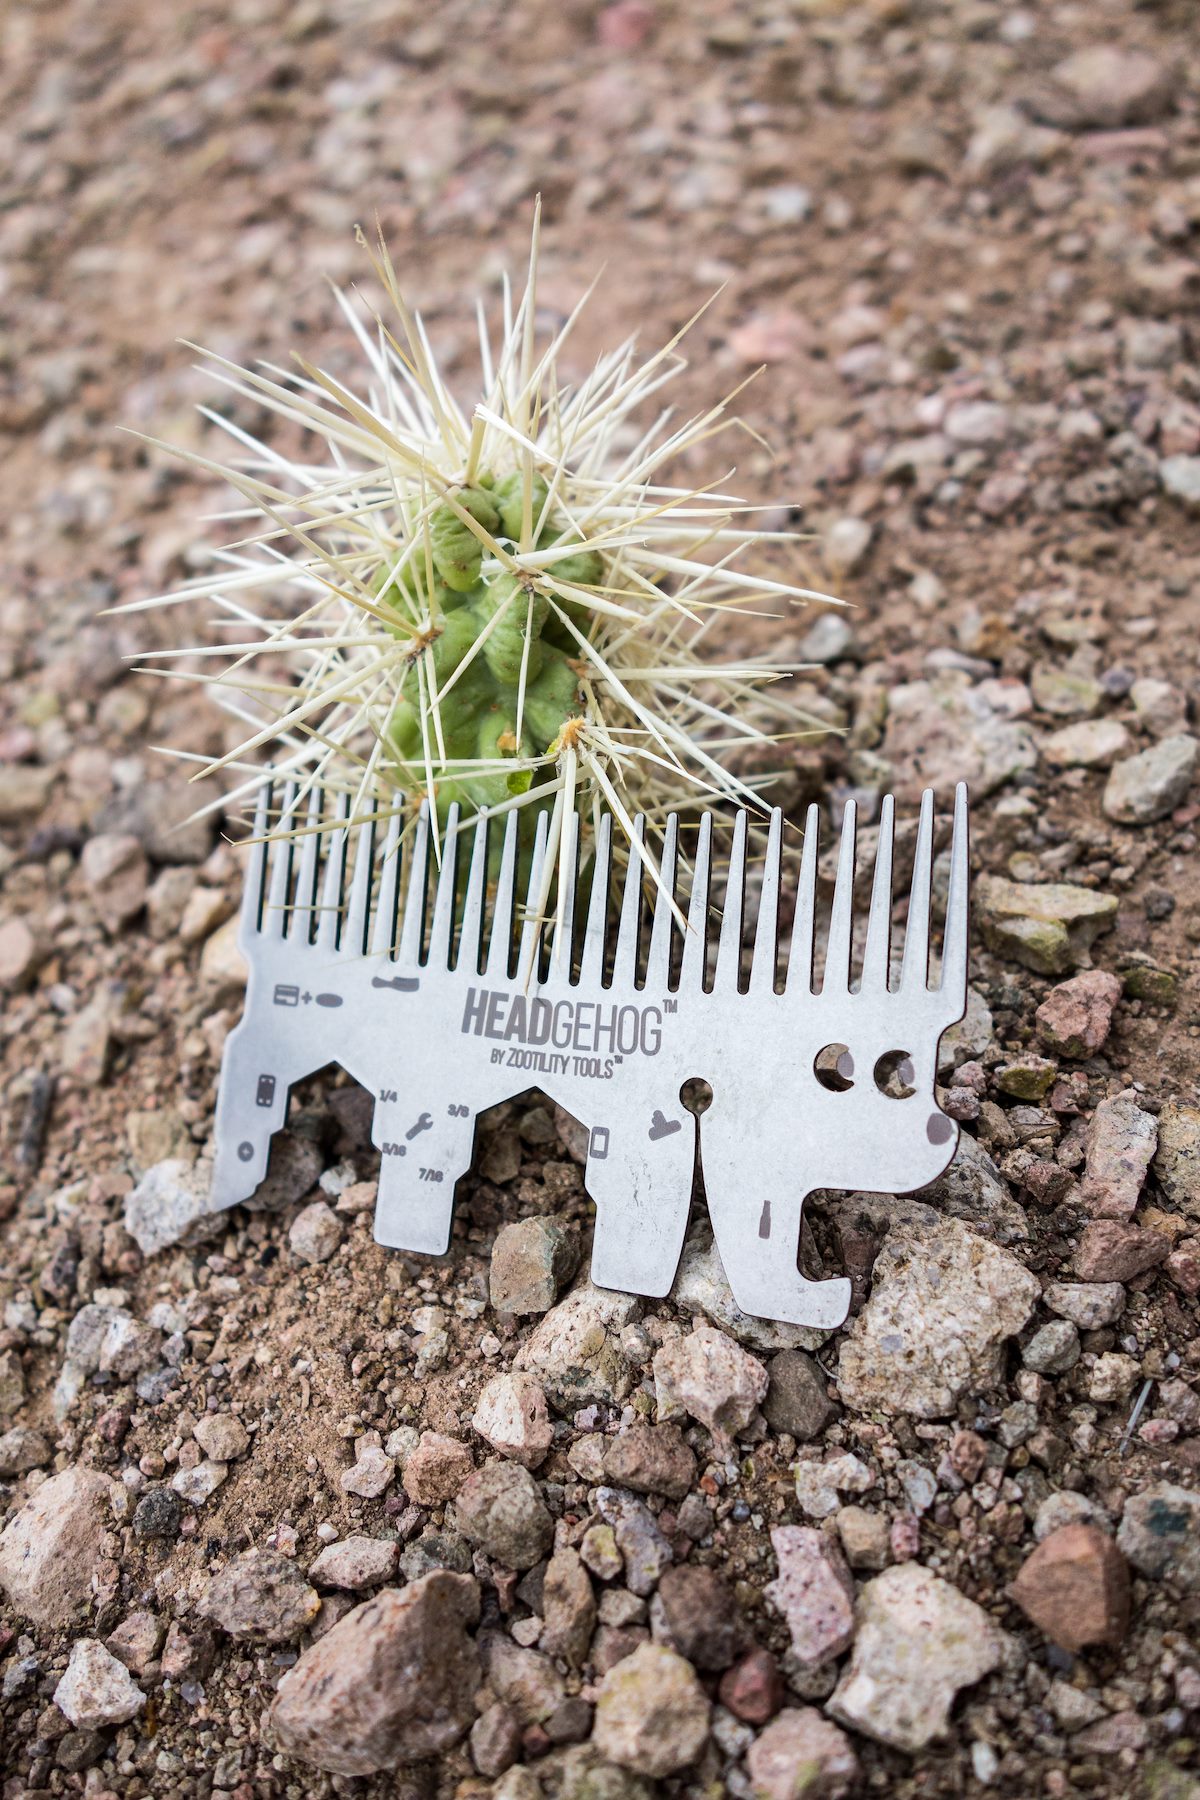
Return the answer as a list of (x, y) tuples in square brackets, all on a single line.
[(441, 1018)]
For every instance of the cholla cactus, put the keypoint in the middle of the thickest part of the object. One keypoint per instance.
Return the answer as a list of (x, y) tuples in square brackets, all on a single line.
[(501, 606)]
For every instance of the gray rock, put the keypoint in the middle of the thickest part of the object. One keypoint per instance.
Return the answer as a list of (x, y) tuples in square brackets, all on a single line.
[(1160, 1534), (12, 1383), (50, 1550), (526, 1680), (496, 1741), (971, 1189), (847, 542), (919, 1641), (584, 1775), (568, 1608), (296, 1165), (1064, 694), (371, 1475), (1046, 926), (355, 1563), (500, 1509), (1121, 1140), (158, 1514), (96, 1689), (222, 1436), (819, 1482), (945, 730), (198, 1484), (710, 1377), (1087, 1304), (22, 1449), (1053, 1349), (1180, 478), (575, 1350), (943, 1302), (531, 1260), (116, 873), (702, 1286), (644, 1550), (1147, 787), (828, 639), (652, 1715), (797, 1399), (1105, 87), (393, 1682), (966, 1041), (163, 815), (511, 1416), (262, 1597), (1177, 1159), (170, 1203), (315, 1233), (695, 1612), (1091, 744)]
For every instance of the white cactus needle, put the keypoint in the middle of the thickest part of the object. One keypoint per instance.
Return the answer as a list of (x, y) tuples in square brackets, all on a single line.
[(329, 607)]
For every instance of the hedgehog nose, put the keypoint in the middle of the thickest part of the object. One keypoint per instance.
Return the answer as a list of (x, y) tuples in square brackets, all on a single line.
[(939, 1129)]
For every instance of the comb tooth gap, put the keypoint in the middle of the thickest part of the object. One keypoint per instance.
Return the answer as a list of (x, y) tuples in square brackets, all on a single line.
[(532, 921), (591, 958), (914, 970), (470, 940), (764, 961), (254, 893), (627, 954), (279, 878), (441, 928), (355, 926), (412, 927), (386, 915)]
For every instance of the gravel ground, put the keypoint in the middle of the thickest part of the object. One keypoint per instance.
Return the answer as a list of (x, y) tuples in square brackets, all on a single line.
[(287, 1514)]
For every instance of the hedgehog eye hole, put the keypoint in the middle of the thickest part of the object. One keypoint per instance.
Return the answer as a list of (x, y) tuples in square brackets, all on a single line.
[(895, 1075), (834, 1068)]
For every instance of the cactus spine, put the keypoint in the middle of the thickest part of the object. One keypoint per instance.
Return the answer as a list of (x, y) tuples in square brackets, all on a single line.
[(502, 606)]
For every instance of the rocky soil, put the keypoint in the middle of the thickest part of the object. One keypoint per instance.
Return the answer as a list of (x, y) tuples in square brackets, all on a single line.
[(287, 1514)]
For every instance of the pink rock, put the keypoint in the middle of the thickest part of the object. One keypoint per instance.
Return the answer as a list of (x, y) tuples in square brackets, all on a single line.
[(1121, 1142), (393, 1682), (1111, 1251), (753, 1689), (1075, 1017), (1183, 1267), (625, 25), (770, 338), (802, 1753), (436, 1469), (814, 1591)]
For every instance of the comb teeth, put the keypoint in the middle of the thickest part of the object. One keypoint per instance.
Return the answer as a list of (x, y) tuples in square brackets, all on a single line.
[(296, 891), (591, 962), (441, 930)]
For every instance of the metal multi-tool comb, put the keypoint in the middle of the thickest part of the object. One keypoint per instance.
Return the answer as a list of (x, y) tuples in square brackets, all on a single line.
[(443, 1010)]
